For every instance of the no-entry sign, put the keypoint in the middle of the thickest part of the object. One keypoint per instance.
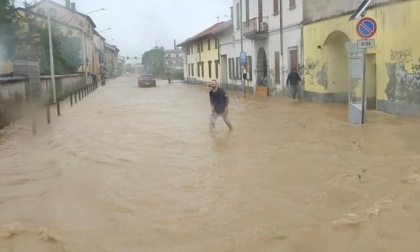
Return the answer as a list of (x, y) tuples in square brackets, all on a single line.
[(366, 27)]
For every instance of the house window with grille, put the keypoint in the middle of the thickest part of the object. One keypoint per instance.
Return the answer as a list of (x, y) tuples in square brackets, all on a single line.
[(277, 67), (292, 4), (238, 69), (249, 70), (209, 69), (231, 68), (276, 6)]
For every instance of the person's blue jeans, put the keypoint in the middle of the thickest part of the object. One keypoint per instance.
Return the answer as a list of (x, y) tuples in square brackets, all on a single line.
[(293, 91)]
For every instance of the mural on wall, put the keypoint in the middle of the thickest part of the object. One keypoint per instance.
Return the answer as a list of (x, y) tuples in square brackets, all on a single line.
[(314, 74), (403, 84), (322, 77), (310, 68)]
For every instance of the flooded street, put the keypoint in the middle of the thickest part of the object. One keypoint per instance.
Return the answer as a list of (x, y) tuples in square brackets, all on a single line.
[(130, 169)]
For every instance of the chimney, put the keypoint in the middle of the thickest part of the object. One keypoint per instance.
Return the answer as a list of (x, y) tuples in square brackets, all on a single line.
[(174, 44), (73, 6), (68, 4)]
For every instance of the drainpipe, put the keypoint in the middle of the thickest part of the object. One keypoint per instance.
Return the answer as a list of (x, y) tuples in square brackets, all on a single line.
[(281, 40), (218, 60), (186, 62)]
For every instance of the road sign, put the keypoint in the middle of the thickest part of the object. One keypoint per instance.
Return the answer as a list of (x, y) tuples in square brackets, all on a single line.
[(366, 27), (243, 58), (365, 43)]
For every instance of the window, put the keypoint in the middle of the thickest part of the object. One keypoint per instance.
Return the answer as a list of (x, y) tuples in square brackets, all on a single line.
[(231, 68), (292, 4), (189, 70), (192, 49), (198, 69), (209, 69), (216, 43), (249, 70), (276, 6), (201, 46), (238, 68), (192, 69), (216, 64), (198, 48), (277, 67), (202, 69), (209, 44)]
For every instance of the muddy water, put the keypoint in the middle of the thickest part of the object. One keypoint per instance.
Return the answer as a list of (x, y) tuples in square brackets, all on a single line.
[(131, 169)]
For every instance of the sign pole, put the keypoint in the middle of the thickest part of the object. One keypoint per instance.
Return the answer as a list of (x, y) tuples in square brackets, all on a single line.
[(364, 88)]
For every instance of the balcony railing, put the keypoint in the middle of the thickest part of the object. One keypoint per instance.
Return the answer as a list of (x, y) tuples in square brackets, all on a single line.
[(256, 28)]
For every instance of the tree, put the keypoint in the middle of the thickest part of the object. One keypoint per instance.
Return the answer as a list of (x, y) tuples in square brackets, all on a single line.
[(7, 38), (34, 45), (153, 61)]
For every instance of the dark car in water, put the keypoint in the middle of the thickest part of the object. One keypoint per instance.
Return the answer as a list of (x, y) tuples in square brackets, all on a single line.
[(146, 80)]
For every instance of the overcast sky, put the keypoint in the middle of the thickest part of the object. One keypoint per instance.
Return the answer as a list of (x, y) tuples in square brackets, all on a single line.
[(137, 25)]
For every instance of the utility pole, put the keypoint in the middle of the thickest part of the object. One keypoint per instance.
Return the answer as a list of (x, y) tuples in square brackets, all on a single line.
[(242, 49), (51, 59)]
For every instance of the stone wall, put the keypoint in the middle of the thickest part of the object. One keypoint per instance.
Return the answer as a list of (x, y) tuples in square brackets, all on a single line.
[(14, 93)]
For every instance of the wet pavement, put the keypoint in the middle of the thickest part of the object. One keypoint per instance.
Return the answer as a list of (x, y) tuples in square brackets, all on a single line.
[(135, 169)]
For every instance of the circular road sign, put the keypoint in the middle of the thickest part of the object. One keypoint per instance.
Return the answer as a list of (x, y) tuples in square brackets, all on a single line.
[(366, 27)]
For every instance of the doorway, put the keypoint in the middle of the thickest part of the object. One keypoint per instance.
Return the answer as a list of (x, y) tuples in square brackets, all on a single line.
[(371, 81), (261, 65), (224, 70)]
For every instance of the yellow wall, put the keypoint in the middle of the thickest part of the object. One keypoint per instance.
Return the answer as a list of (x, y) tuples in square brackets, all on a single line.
[(396, 39), (205, 56)]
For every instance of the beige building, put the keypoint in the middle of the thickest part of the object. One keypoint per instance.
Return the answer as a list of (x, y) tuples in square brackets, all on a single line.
[(68, 14)]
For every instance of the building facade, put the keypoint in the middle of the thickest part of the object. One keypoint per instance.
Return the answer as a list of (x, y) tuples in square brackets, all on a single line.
[(173, 59), (201, 54), (392, 72), (111, 60), (68, 14)]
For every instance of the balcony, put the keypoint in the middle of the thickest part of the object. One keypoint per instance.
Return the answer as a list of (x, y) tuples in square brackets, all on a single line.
[(256, 30)]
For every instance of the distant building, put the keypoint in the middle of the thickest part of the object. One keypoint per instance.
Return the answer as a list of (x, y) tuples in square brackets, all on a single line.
[(173, 59), (202, 54)]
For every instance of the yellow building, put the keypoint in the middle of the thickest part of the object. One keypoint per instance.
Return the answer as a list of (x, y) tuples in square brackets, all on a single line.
[(392, 67), (201, 54)]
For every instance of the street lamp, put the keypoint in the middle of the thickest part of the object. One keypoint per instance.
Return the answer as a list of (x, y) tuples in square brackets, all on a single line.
[(105, 30), (95, 11)]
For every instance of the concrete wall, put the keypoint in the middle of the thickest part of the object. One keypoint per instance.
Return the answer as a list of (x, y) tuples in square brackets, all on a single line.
[(13, 93), (12, 99), (321, 9), (64, 85), (394, 82), (292, 31)]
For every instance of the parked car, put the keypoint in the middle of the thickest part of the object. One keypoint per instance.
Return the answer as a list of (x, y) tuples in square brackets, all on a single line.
[(146, 80)]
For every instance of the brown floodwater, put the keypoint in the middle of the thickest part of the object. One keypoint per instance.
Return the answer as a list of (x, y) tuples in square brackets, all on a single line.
[(129, 169)]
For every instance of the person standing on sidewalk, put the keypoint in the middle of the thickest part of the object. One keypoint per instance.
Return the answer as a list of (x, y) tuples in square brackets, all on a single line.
[(293, 82), (219, 102)]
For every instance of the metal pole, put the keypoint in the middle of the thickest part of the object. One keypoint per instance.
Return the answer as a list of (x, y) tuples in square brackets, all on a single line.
[(364, 87), (58, 108), (242, 50), (84, 55), (51, 58), (48, 113)]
